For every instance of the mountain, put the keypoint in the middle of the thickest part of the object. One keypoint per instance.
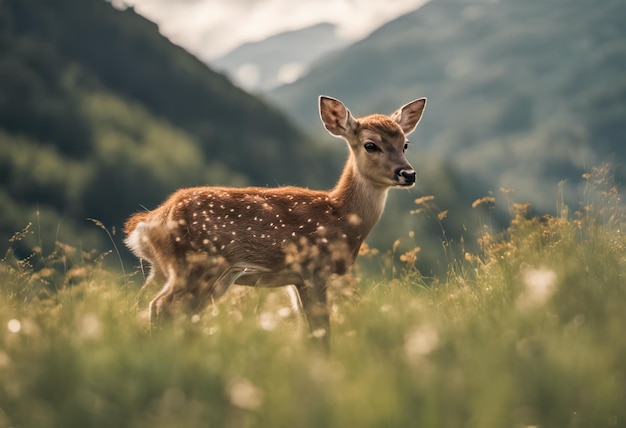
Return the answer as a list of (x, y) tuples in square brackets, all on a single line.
[(279, 59), (522, 94), (100, 116)]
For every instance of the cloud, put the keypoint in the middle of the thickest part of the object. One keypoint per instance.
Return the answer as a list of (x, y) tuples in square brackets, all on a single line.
[(210, 28)]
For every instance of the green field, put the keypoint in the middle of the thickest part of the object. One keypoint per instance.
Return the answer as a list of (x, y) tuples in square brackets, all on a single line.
[(530, 331)]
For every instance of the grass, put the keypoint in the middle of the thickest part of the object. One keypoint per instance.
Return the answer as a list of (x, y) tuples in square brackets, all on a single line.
[(530, 332)]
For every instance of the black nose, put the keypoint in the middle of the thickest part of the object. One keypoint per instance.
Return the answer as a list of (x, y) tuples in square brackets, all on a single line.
[(409, 175)]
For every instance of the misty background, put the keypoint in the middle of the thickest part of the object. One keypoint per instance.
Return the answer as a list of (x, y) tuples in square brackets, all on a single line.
[(107, 107)]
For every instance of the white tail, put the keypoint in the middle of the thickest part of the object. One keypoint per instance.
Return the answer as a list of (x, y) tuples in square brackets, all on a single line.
[(202, 240)]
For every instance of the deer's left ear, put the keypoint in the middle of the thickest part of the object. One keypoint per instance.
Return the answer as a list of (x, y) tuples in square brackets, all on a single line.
[(409, 115), (336, 117)]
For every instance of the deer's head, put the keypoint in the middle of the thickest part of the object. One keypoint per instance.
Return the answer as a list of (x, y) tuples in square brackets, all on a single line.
[(377, 142)]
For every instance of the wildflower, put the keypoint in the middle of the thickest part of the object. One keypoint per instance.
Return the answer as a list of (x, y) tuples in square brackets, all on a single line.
[(386, 308), (421, 341), (244, 394), (471, 258), (485, 200), (539, 286), (268, 321), (424, 199), (367, 250), (410, 257), (90, 327), (14, 326), (318, 333)]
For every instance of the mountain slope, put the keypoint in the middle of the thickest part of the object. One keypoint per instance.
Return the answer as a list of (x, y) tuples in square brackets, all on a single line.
[(100, 115), (521, 94), (270, 62)]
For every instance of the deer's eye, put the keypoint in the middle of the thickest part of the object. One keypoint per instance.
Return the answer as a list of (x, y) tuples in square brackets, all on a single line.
[(371, 147), (406, 146)]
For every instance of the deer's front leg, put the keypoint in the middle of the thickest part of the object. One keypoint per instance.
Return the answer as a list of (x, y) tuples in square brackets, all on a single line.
[(314, 299)]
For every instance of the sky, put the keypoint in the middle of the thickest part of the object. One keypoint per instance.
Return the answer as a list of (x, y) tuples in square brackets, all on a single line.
[(211, 28)]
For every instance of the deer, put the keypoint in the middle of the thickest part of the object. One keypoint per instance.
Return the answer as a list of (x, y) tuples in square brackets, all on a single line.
[(202, 240)]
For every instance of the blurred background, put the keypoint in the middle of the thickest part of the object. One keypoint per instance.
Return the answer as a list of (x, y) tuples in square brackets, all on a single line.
[(107, 107)]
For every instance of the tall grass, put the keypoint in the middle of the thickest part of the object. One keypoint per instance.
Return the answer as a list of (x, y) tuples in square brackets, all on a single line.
[(529, 332)]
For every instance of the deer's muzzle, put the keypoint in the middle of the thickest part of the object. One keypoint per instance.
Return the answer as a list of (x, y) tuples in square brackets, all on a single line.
[(406, 176)]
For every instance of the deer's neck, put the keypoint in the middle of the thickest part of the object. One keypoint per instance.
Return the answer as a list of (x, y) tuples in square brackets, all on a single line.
[(362, 202)]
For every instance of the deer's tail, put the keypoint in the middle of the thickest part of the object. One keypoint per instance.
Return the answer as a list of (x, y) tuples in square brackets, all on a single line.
[(134, 220)]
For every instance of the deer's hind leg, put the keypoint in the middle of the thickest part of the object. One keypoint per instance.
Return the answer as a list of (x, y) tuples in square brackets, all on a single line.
[(215, 287), (192, 286), (159, 305), (155, 274)]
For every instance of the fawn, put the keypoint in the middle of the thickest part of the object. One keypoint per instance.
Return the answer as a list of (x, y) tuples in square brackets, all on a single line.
[(202, 240)]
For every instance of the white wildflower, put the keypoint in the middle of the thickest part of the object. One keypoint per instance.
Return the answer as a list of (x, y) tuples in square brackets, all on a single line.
[(244, 394), (421, 341), (539, 286)]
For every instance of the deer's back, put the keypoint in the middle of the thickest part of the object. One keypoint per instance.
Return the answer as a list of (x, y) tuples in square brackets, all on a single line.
[(278, 229)]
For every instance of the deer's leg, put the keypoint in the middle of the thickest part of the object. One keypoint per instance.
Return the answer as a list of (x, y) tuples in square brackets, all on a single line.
[(199, 284), (314, 300), (159, 306), (214, 287), (155, 275), (183, 282), (291, 293)]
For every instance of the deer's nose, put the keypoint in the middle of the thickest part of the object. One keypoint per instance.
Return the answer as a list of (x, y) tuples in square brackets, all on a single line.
[(407, 174)]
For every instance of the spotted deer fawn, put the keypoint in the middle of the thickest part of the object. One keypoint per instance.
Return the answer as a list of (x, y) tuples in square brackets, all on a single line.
[(202, 240)]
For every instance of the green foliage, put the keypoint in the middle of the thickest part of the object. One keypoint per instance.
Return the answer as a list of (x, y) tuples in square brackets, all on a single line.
[(528, 331), (101, 116)]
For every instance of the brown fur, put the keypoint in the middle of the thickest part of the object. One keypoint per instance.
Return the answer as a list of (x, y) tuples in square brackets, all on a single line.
[(132, 222)]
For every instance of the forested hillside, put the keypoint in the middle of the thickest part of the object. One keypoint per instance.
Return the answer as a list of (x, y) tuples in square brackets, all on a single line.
[(101, 116), (522, 94)]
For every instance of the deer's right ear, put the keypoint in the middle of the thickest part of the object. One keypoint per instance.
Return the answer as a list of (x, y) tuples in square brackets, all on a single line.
[(336, 117), (409, 115)]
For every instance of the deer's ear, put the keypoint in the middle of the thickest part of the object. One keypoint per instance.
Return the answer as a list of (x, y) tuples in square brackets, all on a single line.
[(336, 117), (409, 115)]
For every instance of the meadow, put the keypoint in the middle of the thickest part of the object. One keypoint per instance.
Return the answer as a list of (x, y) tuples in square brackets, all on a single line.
[(529, 331)]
